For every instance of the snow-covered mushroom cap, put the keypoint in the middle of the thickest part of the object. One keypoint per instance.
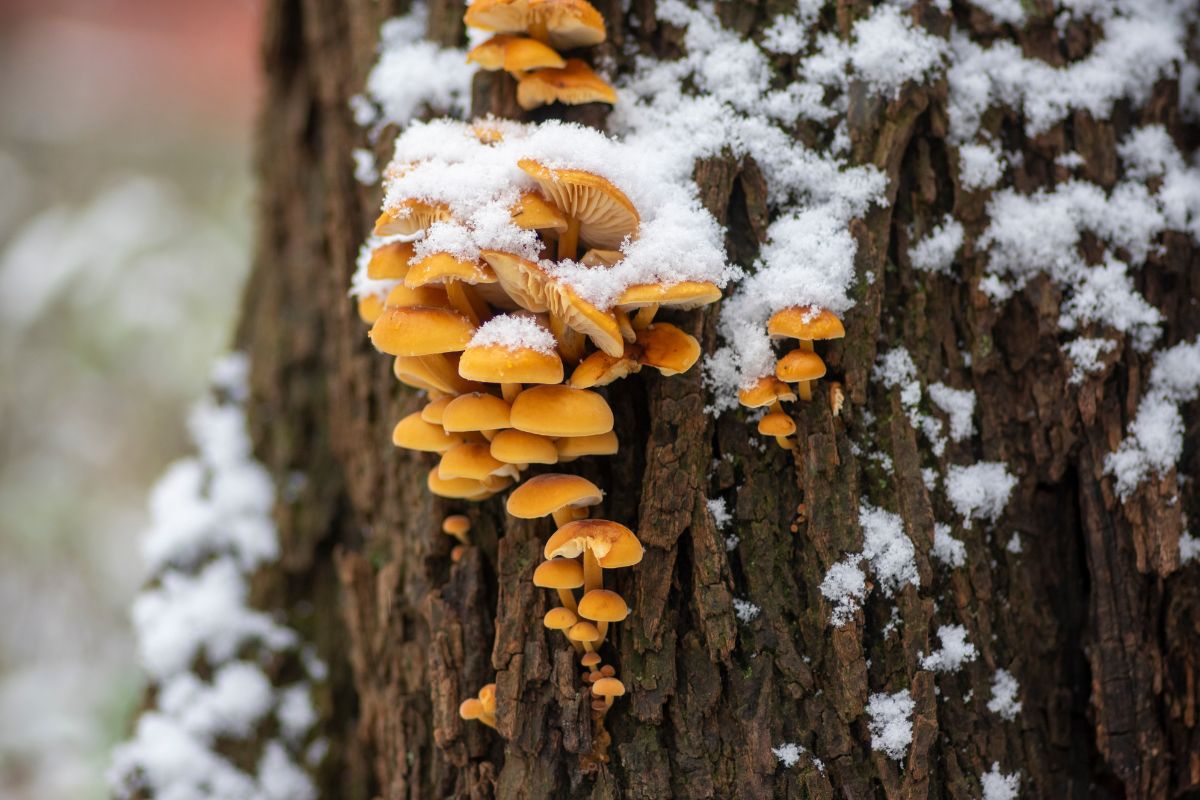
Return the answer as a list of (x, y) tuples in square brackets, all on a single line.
[(562, 24), (606, 215), (511, 349), (805, 323)]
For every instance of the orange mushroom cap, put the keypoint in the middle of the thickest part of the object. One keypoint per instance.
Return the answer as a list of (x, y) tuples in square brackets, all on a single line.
[(777, 424), (605, 214), (421, 330), (514, 54), (613, 544), (800, 365), (572, 85), (476, 412), (805, 322), (542, 495), (554, 410), (602, 605)]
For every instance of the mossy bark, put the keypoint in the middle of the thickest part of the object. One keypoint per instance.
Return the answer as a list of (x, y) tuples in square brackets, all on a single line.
[(1094, 616)]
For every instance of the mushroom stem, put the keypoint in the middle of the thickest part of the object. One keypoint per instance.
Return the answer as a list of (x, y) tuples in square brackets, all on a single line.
[(538, 30), (593, 575), (568, 600), (562, 516), (488, 718), (570, 341), (776, 407), (568, 240), (510, 391), (644, 316), (602, 626), (588, 647), (806, 344), (489, 435), (785, 443), (804, 390), (627, 331)]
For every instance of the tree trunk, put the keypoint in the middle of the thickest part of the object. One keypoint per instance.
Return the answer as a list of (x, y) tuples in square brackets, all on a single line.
[(1092, 613)]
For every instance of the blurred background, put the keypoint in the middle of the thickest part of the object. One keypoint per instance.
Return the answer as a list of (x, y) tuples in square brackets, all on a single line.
[(125, 223)]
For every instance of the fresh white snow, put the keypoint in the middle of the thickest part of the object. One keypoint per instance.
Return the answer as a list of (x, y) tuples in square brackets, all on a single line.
[(890, 723)]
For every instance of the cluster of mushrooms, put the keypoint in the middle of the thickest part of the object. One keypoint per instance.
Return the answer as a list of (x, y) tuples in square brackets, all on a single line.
[(529, 36), (798, 368), (510, 356)]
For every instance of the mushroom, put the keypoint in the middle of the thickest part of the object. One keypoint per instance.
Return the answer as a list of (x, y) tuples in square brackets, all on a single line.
[(800, 367), (602, 607), (602, 327), (562, 575), (470, 460), (456, 488), (532, 212), (647, 297), (766, 391), (608, 688), (421, 331), (596, 210), (561, 411), (562, 619), (515, 55), (572, 447), (432, 412), (370, 308), (522, 448), (562, 24), (458, 526), (401, 296), (410, 216), (456, 275), (779, 425), (667, 349), (414, 433), (512, 363), (602, 543), (435, 373), (805, 324), (573, 85), (389, 262), (523, 280), (553, 494), (601, 369), (472, 709), (590, 659), (476, 411), (585, 633)]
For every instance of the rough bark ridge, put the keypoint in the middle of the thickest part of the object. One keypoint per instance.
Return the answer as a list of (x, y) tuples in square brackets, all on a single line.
[(1094, 616)]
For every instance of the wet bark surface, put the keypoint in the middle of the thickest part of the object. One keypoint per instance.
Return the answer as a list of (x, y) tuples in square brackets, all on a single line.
[(1093, 616)]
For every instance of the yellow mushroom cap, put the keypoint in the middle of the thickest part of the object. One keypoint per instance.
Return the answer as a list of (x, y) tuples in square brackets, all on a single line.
[(432, 296), (471, 708), (410, 216), (684, 295), (438, 373), (390, 261), (494, 363), (519, 447), (561, 411), (766, 391), (799, 365), (523, 280), (583, 631), (567, 24), (805, 322), (608, 687), (613, 544), (514, 54), (456, 525), (421, 331), (487, 696), (601, 327), (414, 433), (601, 369), (432, 412), (601, 605), (590, 659), (605, 214), (454, 488), (777, 424), (542, 495), (370, 308), (558, 573), (476, 412), (440, 267), (559, 619), (532, 212), (667, 349), (468, 461), (573, 85), (572, 447)]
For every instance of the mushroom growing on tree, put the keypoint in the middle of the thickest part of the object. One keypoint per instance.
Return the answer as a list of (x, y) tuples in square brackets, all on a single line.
[(554, 494), (597, 211), (573, 84), (563, 575), (800, 367), (805, 324), (603, 606), (602, 543)]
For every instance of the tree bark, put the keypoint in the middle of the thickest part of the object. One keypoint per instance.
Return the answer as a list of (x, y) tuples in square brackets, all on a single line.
[(1094, 617)]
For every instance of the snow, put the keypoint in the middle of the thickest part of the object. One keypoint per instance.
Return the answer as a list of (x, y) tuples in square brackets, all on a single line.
[(412, 75), (788, 753), (1189, 547), (1153, 443), (745, 610), (720, 513), (979, 491), (888, 549), (888, 51), (947, 549), (890, 723), (1009, 11), (1084, 354), (1014, 545), (895, 369), (959, 406), (954, 652), (514, 332), (1004, 695), (998, 786), (980, 166), (210, 529), (936, 252), (845, 585)]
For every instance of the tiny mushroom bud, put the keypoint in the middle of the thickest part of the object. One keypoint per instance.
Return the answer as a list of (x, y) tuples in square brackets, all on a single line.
[(562, 575), (458, 526), (590, 659)]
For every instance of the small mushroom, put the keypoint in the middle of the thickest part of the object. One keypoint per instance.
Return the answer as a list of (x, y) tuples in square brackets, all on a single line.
[(433, 373), (511, 363), (474, 461), (532, 213), (561, 411), (805, 324), (389, 262), (647, 297), (602, 607), (590, 659), (608, 689), (585, 633), (602, 543), (801, 367), (515, 55), (573, 447), (562, 24), (574, 84), (562, 575), (458, 526), (779, 425), (602, 327), (410, 216), (421, 331), (562, 619), (553, 494), (523, 280), (476, 411), (601, 369), (596, 210), (472, 709), (414, 433), (767, 391), (521, 448), (667, 349), (456, 488)]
